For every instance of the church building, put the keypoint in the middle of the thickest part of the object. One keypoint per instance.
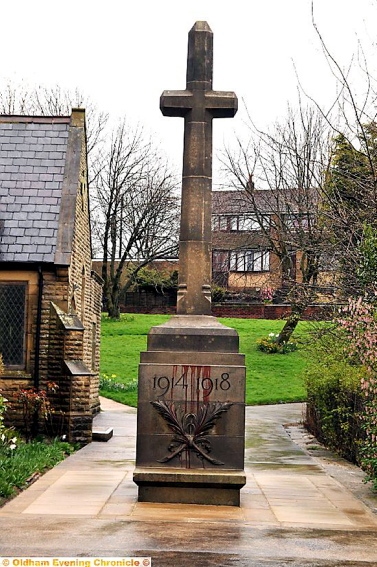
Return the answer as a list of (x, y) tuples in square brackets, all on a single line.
[(50, 299)]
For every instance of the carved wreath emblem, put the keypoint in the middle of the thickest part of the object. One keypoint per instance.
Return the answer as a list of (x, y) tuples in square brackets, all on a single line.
[(190, 429)]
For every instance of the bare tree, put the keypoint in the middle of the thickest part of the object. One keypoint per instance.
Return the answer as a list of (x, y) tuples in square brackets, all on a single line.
[(326, 163), (288, 165), (134, 204), (351, 184), (55, 101), (136, 210)]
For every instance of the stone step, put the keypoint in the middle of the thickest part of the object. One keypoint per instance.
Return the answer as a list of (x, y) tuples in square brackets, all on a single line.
[(99, 434)]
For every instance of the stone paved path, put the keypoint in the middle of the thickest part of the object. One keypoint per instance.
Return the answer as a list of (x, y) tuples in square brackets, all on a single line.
[(297, 508)]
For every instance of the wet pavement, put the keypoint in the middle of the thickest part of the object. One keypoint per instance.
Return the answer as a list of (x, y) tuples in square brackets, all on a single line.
[(301, 506)]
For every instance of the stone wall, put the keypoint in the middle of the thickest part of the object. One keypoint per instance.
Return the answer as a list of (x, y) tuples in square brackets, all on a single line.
[(76, 397), (241, 310), (271, 311), (85, 289), (9, 388)]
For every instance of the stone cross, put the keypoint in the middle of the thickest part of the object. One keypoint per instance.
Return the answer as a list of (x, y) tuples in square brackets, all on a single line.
[(198, 105)]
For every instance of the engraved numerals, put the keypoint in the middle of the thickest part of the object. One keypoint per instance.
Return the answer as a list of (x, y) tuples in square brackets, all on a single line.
[(165, 384)]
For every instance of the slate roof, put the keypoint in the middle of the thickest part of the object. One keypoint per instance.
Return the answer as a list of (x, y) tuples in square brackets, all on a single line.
[(267, 201), (32, 161), (236, 202)]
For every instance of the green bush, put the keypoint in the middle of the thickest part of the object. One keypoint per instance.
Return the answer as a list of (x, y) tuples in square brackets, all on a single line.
[(217, 293), (9, 439), (371, 465), (154, 279), (369, 447), (335, 401), (271, 346)]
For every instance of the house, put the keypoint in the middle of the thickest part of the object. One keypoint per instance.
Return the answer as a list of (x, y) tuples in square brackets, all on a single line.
[(241, 252), (50, 299), (264, 240)]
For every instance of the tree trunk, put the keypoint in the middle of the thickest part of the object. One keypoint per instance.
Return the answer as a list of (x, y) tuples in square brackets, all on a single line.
[(288, 329), (291, 323), (113, 309)]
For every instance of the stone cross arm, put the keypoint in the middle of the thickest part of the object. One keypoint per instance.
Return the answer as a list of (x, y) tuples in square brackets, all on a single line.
[(220, 104)]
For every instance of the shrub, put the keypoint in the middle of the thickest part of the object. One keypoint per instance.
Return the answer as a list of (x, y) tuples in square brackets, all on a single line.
[(270, 345), (3, 402), (266, 294), (9, 439), (20, 461), (342, 386), (154, 279), (335, 404), (217, 293), (36, 405), (359, 323)]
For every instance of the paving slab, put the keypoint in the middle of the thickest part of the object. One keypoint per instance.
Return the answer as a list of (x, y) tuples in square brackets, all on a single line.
[(299, 507)]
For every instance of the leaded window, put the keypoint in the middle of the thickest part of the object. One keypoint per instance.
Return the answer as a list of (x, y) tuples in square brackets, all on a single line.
[(12, 322)]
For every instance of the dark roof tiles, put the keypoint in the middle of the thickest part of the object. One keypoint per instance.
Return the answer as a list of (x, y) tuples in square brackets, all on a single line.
[(32, 160), (236, 202)]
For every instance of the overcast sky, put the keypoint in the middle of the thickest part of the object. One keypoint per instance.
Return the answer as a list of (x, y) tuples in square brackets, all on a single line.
[(124, 53)]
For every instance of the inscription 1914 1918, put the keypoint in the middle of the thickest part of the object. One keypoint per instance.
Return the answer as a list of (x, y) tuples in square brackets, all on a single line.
[(192, 377)]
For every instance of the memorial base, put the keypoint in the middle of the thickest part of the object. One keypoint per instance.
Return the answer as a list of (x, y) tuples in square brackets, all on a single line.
[(189, 487), (191, 414)]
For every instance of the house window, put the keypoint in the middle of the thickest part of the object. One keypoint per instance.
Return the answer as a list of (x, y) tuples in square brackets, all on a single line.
[(329, 262), (220, 261), (250, 223), (250, 261), (223, 223), (297, 221), (239, 223), (233, 223), (12, 323), (244, 224)]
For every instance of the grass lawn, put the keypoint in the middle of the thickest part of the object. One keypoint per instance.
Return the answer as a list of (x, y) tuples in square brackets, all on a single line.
[(270, 378)]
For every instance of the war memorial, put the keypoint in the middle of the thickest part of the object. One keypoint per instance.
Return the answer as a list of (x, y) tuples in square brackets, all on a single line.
[(191, 406)]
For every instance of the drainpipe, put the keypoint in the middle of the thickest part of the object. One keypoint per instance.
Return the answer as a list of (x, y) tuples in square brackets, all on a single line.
[(38, 328)]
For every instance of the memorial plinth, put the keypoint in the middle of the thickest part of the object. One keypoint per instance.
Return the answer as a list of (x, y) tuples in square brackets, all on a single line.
[(191, 389), (191, 414)]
